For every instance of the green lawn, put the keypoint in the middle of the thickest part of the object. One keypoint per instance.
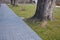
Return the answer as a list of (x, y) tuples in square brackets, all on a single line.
[(51, 32), (29, 10)]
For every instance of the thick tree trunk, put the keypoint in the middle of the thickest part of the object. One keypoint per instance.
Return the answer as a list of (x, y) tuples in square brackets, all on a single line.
[(44, 10)]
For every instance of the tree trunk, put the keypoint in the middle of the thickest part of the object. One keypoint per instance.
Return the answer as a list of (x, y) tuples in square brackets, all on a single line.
[(14, 2), (0, 2), (44, 10), (11, 2), (30, 1), (51, 9)]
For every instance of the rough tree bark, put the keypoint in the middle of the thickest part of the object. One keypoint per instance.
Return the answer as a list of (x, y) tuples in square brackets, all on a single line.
[(44, 10), (51, 9)]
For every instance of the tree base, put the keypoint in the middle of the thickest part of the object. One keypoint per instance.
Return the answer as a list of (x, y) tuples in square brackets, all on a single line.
[(44, 24), (33, 20)]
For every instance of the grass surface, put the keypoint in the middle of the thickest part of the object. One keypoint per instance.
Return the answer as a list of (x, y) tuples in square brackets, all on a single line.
[(51, 32), (29, 10)]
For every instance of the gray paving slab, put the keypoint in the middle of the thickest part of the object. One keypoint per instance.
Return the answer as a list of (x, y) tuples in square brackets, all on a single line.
[(14, 28)]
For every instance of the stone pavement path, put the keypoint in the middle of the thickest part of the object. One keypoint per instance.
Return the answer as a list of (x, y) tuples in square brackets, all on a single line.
[(14, 28)]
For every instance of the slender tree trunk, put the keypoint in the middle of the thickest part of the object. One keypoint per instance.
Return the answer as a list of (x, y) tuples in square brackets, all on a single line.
[(30, 1), (11, 2), (0, 3), (14, 2)]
